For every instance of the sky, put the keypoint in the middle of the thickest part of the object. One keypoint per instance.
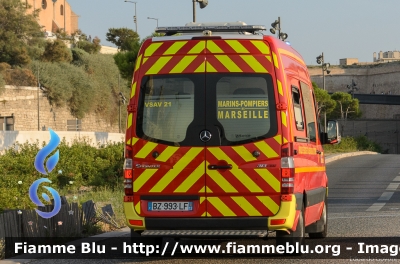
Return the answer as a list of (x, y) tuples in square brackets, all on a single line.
[(340, 28)]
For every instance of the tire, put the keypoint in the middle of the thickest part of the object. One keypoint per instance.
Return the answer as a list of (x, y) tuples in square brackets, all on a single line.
[(282, 237), (323, 221)]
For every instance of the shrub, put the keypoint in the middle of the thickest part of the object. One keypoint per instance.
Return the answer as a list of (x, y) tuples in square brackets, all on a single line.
[(56, 51), (80, 163), (90, 84), (19, 77), (349, 144), (90, 47)]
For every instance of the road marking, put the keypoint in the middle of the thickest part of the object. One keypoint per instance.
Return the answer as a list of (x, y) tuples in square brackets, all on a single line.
[(363, 216), (356, 198), (392, 186), (397, 178), (386, 196), (376, 207)]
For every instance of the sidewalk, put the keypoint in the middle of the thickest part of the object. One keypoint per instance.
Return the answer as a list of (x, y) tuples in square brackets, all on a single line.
[(337, 156)]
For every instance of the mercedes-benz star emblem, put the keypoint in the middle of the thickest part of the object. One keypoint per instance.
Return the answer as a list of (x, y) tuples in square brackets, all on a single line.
[(205, 135)]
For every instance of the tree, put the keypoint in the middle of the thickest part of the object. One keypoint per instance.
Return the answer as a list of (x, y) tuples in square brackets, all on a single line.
[(325, 104), (125, 39), (17, 28), (57, 51), (126, 62), (346, 106), (128, 43)]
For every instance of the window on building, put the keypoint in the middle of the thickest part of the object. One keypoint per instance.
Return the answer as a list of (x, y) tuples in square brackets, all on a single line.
[(62, 10), (44, 4), (6, 123)]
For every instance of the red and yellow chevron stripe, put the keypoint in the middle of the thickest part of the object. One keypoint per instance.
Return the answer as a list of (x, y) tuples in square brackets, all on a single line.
[(183, 171), (170, 57)]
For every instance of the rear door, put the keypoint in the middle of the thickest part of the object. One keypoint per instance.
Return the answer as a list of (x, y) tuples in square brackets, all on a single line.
[(243, 152), (169, 157)]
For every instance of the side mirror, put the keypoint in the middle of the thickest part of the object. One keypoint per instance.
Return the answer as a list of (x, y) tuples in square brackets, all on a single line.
[(333, 134)]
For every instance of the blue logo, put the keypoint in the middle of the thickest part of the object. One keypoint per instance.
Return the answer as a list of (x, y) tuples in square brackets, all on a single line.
[(50, 165), (34, 197), (45, 151)]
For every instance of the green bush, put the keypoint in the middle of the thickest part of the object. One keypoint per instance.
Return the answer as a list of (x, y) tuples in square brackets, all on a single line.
[(80, 164), (90, 84), (349, 144), (56, 51)]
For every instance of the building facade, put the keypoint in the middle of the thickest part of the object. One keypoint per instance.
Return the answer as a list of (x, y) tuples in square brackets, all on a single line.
[(348, 61), (387, 56), (55, 15)]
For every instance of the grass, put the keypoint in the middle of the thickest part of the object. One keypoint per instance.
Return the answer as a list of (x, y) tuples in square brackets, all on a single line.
[(101, 197), (352, 144)]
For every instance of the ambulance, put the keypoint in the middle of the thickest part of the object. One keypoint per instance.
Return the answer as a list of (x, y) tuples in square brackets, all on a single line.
[(222, 137)]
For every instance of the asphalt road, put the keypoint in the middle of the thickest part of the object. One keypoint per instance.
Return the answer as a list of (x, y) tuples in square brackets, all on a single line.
[(363, 202)]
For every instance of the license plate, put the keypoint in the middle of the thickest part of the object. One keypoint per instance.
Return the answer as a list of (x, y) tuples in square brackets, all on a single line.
[(170, 206)]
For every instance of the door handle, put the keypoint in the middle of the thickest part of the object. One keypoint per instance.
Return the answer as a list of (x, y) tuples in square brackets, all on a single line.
[(319, 152), (220, 167)]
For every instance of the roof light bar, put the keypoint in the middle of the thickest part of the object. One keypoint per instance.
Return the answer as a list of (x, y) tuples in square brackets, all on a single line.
[(191, 29)]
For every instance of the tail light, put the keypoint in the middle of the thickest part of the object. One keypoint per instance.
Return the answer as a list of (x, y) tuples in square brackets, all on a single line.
[(287, 169), (128, 152), (128, 177)]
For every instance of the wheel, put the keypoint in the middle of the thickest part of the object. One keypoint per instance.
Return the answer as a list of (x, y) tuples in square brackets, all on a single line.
[(296, 237), (321, 226)]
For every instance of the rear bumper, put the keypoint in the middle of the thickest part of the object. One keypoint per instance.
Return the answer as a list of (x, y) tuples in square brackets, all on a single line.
[(287, 212), (226, 223)]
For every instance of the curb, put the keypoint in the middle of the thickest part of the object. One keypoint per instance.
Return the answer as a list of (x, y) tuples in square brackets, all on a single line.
[(334, 157)]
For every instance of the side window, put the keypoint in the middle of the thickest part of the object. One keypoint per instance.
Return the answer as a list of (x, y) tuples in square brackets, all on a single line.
[(309, 111), (298, 113)]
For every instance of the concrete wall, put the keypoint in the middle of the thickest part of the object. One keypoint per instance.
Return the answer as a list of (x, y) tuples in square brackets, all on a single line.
[(22, 103), (108, 50), (379, 78), (384, 132), (8, 138)]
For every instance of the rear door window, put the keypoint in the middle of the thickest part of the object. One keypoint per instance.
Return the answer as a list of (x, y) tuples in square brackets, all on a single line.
[(166, 107), (235, 108), (244, 106)]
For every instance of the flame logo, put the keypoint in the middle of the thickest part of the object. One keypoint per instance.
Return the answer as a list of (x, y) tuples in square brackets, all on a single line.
[(45, 151), (34, 197), (50, 164)]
